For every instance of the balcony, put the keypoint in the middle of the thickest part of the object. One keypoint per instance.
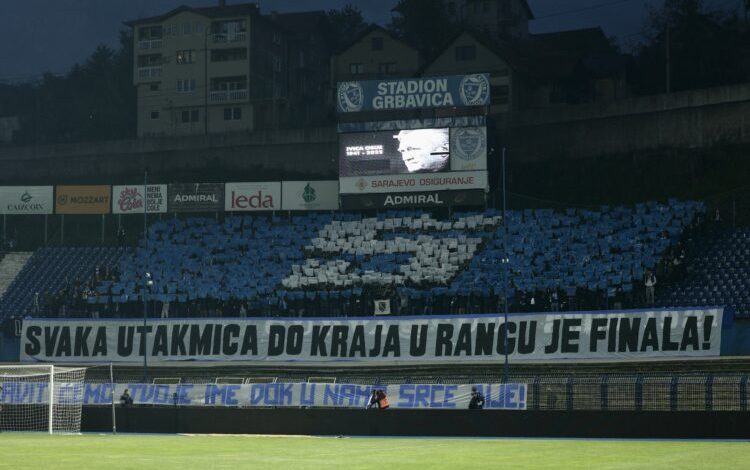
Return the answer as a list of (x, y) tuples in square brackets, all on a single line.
[(238, 36), (149, 72), (228, 95), (149, 44)]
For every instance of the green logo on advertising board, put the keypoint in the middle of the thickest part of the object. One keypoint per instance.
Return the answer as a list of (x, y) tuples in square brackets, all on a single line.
[(308, 194)]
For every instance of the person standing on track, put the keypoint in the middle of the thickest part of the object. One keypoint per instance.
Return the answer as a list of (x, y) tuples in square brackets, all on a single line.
[(477, 399), (379, 398)]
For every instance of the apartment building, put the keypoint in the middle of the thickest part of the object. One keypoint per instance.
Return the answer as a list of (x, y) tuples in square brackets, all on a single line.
[(209, 70), (499, 18)]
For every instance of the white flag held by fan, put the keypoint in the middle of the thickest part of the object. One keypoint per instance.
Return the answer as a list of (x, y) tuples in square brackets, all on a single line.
[(383, 307)]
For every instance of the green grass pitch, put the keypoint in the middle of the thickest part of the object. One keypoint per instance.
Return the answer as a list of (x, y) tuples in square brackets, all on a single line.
[(39, 451)]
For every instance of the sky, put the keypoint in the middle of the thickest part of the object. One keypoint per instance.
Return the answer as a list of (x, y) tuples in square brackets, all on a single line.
[(51, 35)]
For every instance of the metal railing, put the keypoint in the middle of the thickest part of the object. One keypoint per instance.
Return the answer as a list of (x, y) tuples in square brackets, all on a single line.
[(654, 391), (149, 72), (230, 37), (228, 95), (150, 44), (638, 392)]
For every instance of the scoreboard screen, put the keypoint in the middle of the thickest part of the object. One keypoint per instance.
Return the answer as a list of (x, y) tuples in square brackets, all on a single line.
[(394, 152)]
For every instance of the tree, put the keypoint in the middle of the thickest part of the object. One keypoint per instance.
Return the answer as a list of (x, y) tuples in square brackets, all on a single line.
[(345, 24), (96, 100), (425, 24), (699, 45)]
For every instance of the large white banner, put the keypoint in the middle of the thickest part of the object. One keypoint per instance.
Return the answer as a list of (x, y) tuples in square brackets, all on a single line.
[(531, 337), (26, 200), (244, 197), (129, 199), (413, 182), (511, 396), (310, 195)]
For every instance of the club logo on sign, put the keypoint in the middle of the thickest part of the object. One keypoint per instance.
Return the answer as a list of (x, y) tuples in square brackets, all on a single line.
[(470, 143), (351, 96), (361, 184), (25, 197), (308, 194), (475, 90)]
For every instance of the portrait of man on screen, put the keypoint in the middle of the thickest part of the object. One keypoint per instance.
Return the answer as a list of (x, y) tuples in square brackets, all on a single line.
[(424, 150)]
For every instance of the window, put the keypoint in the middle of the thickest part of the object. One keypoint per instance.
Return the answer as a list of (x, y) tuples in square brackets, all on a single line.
[(229, 31), (187, 28), (186, 57), (229, 83), (500, 94), (377, 44), (232, 114), (276, 64), (356, 69), (153, 86), (227, 55), (387, 68), (154, 114), (464, 53), (190, 115), (147, 33), (276, 37), (150, 60), (186, 85)]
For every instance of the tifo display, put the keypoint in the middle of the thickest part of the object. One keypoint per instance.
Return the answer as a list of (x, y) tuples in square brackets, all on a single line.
[(323, 264)]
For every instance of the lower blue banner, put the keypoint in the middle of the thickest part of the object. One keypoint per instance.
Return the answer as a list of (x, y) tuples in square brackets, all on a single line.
[(509, 396)]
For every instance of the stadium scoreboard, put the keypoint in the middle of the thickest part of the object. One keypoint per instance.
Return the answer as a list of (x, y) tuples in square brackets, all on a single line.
[(416, 162)]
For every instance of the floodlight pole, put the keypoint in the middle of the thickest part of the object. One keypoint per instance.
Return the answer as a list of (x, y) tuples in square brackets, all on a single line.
[(51, 410), (144, 334), (505, 275), (112, 396)]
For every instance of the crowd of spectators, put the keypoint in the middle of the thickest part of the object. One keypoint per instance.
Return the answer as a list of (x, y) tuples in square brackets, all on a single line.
[(74, 299)]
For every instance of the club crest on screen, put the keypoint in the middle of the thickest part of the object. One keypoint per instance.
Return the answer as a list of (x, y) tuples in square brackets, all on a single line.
[(350, 96), (475, 90), (470, 143)]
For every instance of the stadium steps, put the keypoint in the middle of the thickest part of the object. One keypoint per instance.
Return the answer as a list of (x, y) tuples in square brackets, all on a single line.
[(10, 266)]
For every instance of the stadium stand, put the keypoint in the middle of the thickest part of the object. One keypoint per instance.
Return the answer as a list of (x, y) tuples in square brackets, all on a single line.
[(716, 271), (339, 263), (52, 272)]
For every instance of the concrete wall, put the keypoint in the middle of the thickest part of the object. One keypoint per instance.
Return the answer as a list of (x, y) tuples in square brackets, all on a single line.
[(306, 153), (691, 119), (470, 423)]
